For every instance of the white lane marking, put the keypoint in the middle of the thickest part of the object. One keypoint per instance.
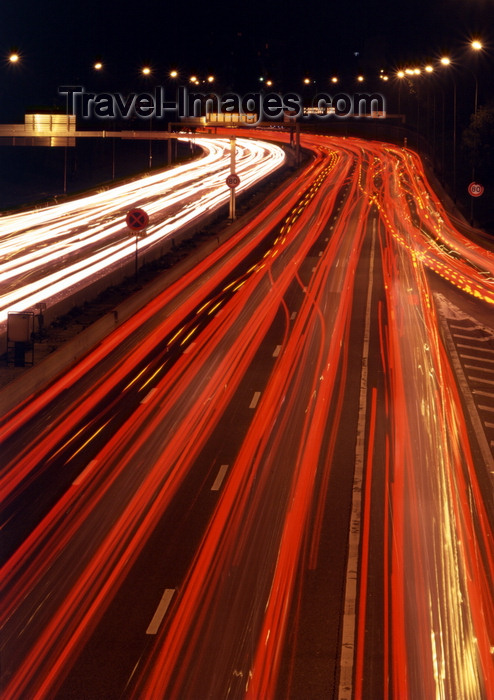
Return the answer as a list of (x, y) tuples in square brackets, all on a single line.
[(481, 379), (469, 395), (255, 399), (473, 347), (293, 316), (475, 357), (488, 425), (160, 611), (277, 351), (477, 392), (481, 369), (347, 643), (78, 481), (486, 408), (148, 395), (219, 478)]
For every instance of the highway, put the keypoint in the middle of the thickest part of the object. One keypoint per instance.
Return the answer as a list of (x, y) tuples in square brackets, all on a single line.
[(48, 253), (277, 479)]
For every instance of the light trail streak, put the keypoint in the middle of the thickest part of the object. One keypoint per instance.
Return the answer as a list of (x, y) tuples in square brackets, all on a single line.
[(92, 236), (435, 529), (227, 627)]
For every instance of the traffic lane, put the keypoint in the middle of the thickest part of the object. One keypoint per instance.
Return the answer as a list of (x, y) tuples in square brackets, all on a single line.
[(199, 276), (99, 422), (120, 644), (311, 661), (431, 465), (157, 313), (155, 424), (262, 485), (105, 244), (76, 573)]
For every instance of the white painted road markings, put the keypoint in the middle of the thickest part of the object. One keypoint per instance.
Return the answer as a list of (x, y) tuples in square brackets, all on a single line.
[(472, 347), (255, 399), (160, 611), (490, 382), (478, 392), (480, 369), (475, 357), (277, 351), (219, 478)]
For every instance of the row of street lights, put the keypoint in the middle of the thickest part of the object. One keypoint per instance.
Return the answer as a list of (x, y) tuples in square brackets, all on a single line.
[(147, 70), (410, 73)]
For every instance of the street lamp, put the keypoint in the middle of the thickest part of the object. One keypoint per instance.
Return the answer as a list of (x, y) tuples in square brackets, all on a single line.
[(445, 61), (98, 65), (477, 46), (400, 75), (146, 70), (14, 57)]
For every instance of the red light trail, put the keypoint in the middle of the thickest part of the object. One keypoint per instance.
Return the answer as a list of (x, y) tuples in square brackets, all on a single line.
[(292, 273)]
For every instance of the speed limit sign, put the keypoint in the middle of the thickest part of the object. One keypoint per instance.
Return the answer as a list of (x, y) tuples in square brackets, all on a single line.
[(233, 180), (475, 190)]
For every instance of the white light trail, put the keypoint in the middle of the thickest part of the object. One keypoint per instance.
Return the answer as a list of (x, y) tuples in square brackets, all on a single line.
[(45, 253)]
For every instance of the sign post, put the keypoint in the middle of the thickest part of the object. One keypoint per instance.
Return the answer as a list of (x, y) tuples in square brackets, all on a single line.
[(233, 179), (137, 220), (474, 190)]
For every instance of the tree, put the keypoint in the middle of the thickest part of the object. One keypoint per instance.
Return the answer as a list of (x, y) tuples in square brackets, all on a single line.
[(478, 142)]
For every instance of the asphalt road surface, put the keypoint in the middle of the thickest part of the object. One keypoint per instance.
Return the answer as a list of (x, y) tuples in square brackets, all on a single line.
[(275, 480)]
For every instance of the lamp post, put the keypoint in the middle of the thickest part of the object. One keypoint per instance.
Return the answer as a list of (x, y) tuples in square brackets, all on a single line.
[(98, 67), (173, 75), (400, 75), (147, 71), (446, 62), (476, 46)]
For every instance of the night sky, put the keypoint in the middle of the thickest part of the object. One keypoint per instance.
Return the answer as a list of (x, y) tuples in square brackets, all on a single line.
[(238, 42)]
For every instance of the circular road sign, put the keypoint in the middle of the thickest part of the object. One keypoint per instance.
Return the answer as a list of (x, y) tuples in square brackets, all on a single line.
[(233, 180), (475, 190), (137, 219)]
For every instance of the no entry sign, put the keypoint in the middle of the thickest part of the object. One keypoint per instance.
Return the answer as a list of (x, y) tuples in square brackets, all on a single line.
[(475, 190), (137, 219), (233, 180)]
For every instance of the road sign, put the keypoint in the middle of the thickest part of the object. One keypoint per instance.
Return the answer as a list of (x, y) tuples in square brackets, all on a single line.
[(233, 180), (137, 219), (475, 190)]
